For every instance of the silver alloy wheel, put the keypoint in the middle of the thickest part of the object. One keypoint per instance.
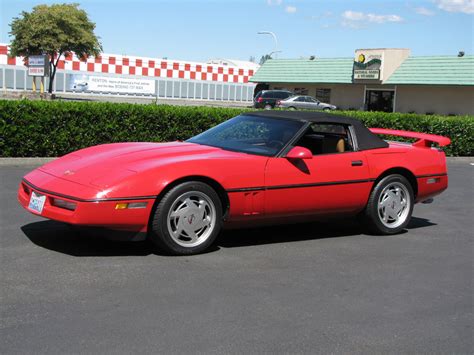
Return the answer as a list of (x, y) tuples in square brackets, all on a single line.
[(191, 219), (394, 205)]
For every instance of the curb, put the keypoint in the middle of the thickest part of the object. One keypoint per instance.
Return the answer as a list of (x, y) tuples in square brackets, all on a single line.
[(40, 161), (24, 161), (461, 159)]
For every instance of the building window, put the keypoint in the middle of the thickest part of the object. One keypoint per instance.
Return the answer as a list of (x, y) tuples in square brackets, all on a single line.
[(198, 94), (323, 95), (205, 91), (59, 81), (191, 90), (225, 94), (212, 91), (162, 88), (20, 79), (9, 78), (238, 96), (169, 89), (301, 91), (184, 90)]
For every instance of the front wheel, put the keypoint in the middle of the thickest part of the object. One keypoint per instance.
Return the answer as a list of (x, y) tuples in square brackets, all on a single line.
[(390, 205), (187, 220)]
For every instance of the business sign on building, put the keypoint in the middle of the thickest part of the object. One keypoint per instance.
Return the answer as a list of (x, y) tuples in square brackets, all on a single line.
[(106, 84), (367, 65), (366, 74), (38, 65)]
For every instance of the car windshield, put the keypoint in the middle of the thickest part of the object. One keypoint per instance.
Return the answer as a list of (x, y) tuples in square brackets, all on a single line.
[(250, 134)]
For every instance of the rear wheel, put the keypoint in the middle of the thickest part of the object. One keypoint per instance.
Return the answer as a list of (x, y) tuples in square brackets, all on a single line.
[(390, 205), (187, 220), (268, 107), (291, 108)]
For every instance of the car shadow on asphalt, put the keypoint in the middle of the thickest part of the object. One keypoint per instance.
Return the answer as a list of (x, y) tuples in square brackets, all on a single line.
[(60, 238)]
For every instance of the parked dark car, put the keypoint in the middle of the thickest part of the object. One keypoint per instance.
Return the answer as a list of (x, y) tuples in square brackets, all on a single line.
[(267, 99)]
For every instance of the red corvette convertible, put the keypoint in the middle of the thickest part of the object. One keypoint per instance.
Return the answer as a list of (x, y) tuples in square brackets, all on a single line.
[(264, 167)]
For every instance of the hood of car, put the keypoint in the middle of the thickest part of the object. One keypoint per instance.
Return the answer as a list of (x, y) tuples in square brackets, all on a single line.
[(104, 164)]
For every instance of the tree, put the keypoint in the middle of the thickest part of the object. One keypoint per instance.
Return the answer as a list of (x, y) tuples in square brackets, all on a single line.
[(54, 31)]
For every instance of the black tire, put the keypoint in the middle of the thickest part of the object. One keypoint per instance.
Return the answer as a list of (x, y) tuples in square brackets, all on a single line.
[(292, 108), (160, 226), (267, 107), (373, 215), (326, 109)]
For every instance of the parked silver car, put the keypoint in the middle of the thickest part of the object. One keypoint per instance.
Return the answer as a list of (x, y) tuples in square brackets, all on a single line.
[(304, 102)]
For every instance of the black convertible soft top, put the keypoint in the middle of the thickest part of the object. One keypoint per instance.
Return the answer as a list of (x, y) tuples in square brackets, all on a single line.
[(365, 138)]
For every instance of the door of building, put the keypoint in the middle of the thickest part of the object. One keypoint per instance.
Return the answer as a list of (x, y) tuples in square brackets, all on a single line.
[(379, 100)]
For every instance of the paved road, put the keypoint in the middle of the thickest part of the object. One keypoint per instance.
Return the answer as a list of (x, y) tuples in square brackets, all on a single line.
[(314, 288)]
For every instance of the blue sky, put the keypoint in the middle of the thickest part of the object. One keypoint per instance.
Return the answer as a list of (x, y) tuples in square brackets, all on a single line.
[(203, 29)]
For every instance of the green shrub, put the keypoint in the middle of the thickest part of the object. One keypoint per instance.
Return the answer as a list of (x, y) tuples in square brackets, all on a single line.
[(45, 128)]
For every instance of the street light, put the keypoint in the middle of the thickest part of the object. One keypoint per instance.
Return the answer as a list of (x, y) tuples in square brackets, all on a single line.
[(274, 38)]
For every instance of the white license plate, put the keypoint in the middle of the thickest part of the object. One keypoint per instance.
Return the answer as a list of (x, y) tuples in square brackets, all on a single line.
[(37, 202)]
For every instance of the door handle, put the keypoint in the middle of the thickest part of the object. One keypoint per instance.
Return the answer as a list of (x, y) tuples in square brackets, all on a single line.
[(357, 163)]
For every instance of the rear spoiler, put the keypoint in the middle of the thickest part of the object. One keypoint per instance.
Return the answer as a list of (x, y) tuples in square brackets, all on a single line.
[(424, 139)]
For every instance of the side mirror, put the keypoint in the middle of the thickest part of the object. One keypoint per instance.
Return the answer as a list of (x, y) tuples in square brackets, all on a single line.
[(299, 153)]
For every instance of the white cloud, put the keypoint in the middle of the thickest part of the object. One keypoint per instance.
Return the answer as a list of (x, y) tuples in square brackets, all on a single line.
[(465, 6), (356, 19), (424, 11), (274, 2), (290, 9)]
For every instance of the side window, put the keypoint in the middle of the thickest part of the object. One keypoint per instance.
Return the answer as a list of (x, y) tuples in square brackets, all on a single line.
[(300, 99), (327, 138), (310, 99)]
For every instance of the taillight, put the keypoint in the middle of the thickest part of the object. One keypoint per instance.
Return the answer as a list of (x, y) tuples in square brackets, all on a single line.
[(260, 99)]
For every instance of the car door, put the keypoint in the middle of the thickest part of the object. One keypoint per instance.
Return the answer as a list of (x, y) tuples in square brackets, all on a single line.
[(299, 102), (312, 103), (308, 103), (329, 183)]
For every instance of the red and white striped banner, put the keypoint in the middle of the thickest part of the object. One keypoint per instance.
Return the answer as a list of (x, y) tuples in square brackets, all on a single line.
[(144, 67)]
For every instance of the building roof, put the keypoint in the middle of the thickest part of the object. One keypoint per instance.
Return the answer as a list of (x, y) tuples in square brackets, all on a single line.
[(365, 138), (439, 70), (433, 70), (319, 70)]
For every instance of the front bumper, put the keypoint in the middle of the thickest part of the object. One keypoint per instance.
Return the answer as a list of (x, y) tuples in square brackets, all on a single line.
[(99, 213)]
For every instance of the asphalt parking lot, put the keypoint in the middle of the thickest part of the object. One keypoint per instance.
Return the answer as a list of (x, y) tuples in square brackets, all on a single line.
[(311, 288)]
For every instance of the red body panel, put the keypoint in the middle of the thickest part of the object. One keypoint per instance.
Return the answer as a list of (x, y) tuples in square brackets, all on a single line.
[(258, 188), (311, 186)]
